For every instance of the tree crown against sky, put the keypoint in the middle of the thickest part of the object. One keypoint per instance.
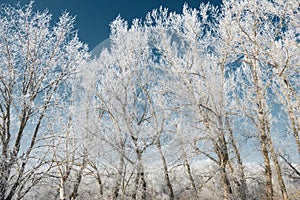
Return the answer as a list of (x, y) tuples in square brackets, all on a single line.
[(93, 17)]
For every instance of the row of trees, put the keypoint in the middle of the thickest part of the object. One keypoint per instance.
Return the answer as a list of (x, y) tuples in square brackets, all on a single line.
[(198, 105)]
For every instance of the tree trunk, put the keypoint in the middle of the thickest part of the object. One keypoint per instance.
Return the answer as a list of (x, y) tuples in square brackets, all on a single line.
[(74, 194), (242, 186), (140, 177), (144, 185), (62, 194), (165, 170), (262, 129), (189, 171), (227, 191), (98, 178), (115, 192), (4, 175), (222, 152), (266, 141), (277, 166), (287, 91)]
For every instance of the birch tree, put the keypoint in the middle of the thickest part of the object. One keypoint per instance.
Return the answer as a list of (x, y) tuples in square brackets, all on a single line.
[(123, 104), (35, 60), (67, 154), (253, 30), (188, 46)]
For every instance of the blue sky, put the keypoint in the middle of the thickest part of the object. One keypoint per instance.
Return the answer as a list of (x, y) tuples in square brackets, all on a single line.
[(94, 16)]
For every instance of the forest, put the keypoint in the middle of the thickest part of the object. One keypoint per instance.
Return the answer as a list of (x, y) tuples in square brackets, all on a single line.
[(200, 104)]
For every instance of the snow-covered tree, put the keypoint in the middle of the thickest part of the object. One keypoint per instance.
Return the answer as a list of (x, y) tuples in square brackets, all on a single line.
[(263, 37), (191, 49), (36, 59), (217, 84), (122, 105), (177, 106)]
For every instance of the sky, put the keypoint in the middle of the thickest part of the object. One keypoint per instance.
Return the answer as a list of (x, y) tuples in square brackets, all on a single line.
[(94, 16)]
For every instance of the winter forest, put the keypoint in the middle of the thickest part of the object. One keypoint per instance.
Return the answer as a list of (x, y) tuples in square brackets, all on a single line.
[(201, 104)]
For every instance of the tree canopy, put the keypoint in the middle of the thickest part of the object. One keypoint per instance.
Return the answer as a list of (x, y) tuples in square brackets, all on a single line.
[(201, 104)]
